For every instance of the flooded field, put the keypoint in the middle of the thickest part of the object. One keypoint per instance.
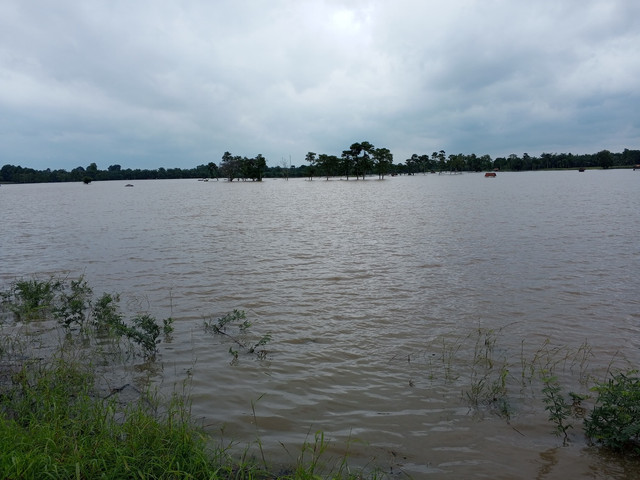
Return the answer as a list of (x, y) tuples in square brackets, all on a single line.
[(410, 319)]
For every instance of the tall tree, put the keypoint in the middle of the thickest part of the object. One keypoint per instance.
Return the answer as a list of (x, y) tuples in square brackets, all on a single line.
[(412, 163), (346, 162), (515, 162), (92, 170), (486, 162), (425, 163), (442, 161), (456, 163), (213, 170), (361, 154), (329, 164), (260, 166), (604, 158), (311, 158), (230, 167), (383, 159)]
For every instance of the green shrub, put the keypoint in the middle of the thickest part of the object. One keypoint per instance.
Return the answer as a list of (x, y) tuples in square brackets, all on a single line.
[(615, 419), (106, 316), (73, 302), (31, 299)]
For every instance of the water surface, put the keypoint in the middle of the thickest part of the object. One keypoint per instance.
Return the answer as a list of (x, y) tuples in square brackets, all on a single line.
[(379, 296)]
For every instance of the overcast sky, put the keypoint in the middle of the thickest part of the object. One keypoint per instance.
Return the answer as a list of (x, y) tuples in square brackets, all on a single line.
[(148, 84)]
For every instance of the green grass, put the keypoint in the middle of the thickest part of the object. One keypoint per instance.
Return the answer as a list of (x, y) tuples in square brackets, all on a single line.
[(54, 425)]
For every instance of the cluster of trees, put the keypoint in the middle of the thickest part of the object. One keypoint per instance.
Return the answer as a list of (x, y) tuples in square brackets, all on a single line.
[(244, 168), (358, 160)]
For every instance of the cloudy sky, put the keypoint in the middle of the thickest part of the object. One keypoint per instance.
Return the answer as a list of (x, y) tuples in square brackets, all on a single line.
[(159, 83)]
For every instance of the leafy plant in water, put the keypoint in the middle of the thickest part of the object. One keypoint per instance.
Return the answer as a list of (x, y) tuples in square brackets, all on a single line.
[(559, 410), (237, 318), (70, 303), (73, 302), (32, 299), (106, 315), (615, 420), (167, 326), (144, 331), (220, 324), (262, 342)]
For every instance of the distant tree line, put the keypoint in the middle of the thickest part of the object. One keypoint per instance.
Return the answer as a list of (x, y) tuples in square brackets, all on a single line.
[(440, 162), (359, 160), (16, 174)]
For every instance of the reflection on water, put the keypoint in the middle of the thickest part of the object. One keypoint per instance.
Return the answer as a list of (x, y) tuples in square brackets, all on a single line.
[(377, 295)]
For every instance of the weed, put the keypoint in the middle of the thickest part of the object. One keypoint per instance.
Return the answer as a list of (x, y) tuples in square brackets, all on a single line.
[(71, 304), (31, 299), (557, 407), (262, 342), (449, 352), (106, 316), (73, 301), (307, 468), (167, 326), (220, 324), (235, 327)]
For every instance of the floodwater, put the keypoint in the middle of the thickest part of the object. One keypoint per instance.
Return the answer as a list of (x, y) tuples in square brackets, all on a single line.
[(410, 319)]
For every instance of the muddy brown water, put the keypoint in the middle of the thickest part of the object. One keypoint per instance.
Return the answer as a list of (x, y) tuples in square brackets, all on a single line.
[(389, 303)]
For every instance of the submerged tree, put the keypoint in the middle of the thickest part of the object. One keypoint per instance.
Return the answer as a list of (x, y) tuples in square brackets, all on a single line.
[(361, 155), (259, 166), (604, 158), (382, 159), (346, 163), (229, 167), (311, 159), (329, 164), (213, 170)]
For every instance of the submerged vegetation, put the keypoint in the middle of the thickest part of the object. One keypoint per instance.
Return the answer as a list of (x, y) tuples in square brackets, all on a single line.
[(70, 409), (237, 319), (71, 305), (492, 380)]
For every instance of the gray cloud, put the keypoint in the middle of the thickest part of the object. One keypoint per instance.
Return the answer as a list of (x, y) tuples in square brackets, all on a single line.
[(149, 83)]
